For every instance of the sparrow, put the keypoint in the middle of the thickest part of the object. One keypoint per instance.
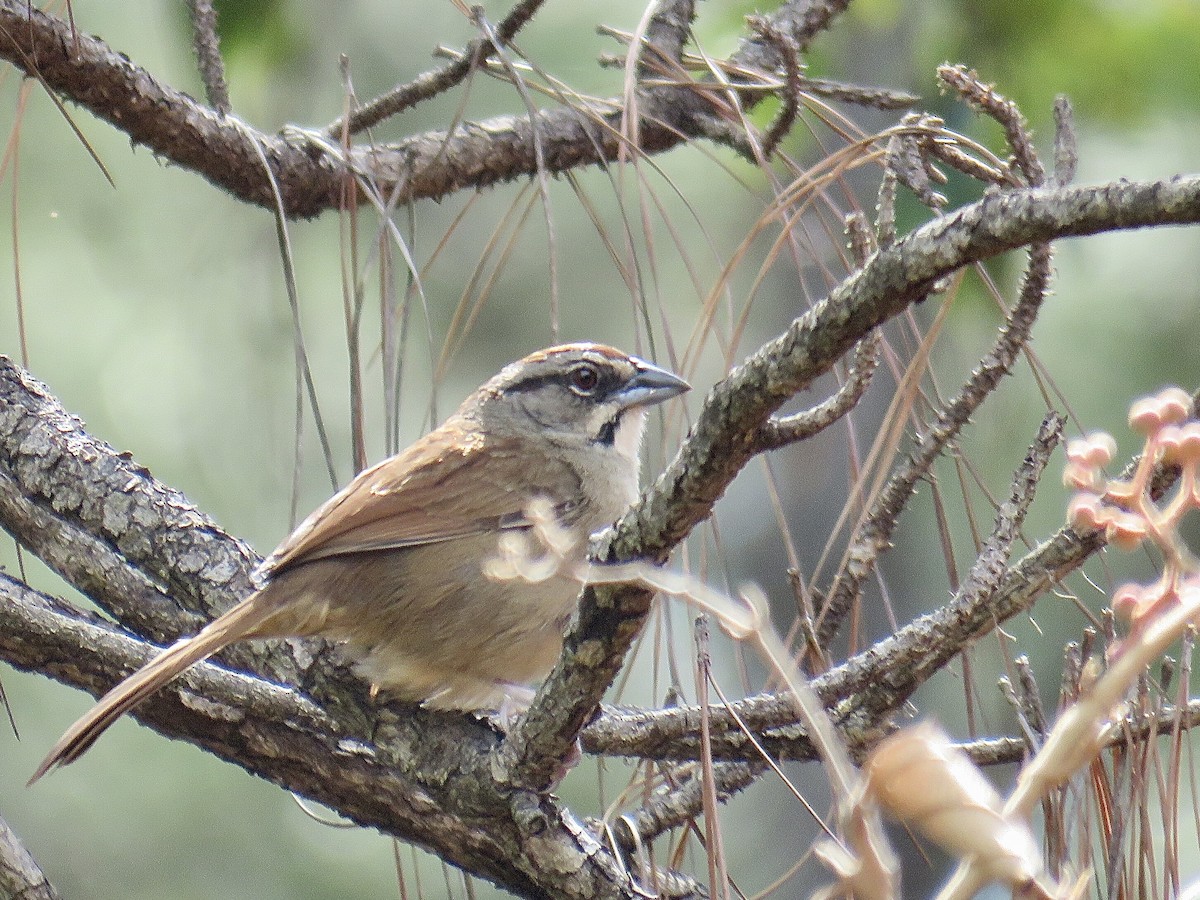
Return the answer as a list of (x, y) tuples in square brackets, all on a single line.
[(392, 566)]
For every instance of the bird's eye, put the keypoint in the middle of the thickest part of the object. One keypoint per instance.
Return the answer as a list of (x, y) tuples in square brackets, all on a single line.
[(584, 379)]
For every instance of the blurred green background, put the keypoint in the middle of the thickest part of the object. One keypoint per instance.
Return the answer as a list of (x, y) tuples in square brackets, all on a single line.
[(156, 311)]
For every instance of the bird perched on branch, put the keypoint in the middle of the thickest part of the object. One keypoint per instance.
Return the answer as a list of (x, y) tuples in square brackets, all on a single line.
[(393, 564)]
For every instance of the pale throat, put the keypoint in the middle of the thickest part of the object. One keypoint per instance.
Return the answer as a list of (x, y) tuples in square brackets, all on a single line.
[(628, 439)]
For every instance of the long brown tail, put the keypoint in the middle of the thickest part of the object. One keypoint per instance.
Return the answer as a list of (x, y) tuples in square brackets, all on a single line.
[(238, 623)]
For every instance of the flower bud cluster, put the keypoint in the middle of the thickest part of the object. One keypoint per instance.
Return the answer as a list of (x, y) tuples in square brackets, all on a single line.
[(1125, 509)]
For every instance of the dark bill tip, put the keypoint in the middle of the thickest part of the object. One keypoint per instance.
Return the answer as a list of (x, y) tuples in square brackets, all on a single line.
[(652, 385)]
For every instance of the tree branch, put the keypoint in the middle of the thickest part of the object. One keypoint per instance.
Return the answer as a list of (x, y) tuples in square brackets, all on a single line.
[(860, 692), (207, 46), (873, 536), (138, 547), (309, 168), (416, 775), (432, 83), (683, 802), (20, 876)]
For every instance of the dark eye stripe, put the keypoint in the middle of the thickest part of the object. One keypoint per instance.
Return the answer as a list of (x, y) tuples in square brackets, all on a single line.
[(533, 382), (605, 381)]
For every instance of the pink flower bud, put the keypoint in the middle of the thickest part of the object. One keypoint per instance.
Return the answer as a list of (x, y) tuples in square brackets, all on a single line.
[(1083, 477), (1086, 511), (1181, 443), (1168, 407), (1126, 531), (1121, 492), (1127, 600), (1144, 417), (1100, 448), (1175, 404)]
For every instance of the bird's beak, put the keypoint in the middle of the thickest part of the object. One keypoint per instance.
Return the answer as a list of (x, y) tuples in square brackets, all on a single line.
[(651, 385)]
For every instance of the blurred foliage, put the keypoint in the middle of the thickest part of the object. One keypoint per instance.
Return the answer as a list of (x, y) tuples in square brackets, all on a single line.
[(1122, 62), (263, 30)]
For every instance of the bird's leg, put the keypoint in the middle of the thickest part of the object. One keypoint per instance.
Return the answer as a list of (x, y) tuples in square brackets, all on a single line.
[(517, 698)]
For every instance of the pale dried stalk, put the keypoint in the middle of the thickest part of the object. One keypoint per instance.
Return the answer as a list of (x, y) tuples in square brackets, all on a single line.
[(865, 865)]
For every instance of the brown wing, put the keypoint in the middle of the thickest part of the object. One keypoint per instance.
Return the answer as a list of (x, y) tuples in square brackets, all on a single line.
[(438, 489)]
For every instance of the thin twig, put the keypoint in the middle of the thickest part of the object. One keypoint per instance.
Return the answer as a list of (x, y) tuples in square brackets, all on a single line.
[(1031, 697), (1017, 700), (985, 98), (207, 45), (908, 162), (683, 803), (985, 171), (989, 567), (779, 431), (749, 82), (789, 93), (1066, 153), (861, 240), (435, 82)]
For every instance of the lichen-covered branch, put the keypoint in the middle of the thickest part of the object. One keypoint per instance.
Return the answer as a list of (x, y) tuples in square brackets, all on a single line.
[(138, 547), (864, 689)]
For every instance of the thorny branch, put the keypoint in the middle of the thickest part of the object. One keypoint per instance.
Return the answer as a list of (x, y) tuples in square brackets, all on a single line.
[(874, 534), (430, 84), (876, 681), (309, 167), (682, 802), (887, 674)]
